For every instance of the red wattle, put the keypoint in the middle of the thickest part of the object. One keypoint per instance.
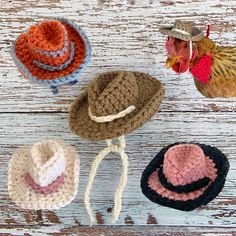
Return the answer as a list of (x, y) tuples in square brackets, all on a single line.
[(175, 68), (181, 67)]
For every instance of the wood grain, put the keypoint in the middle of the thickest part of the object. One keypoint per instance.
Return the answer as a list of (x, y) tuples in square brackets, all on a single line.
[(119, 231), (165, 128), (124, 35)]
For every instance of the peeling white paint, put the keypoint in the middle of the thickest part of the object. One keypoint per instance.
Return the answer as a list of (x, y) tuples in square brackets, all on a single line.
[(124, 35)]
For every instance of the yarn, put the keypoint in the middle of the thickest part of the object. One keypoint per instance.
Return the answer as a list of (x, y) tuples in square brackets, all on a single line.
[(48, 42), (109, 118), (202, 69), (28, 194), (119, 93), (118, 194), (60, 67), (197, 192), (46, 163), (115, 103), (195, 185), (183, 30), (47, 189), (52, 53), (184, 164)]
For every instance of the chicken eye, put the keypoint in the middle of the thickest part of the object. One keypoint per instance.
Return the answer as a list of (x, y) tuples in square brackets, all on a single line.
[(186, 45)]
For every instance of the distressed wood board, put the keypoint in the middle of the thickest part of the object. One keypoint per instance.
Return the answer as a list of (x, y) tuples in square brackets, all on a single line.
[(124, 35)]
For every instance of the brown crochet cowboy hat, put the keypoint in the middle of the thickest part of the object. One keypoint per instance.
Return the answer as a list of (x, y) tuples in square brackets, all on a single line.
[(183, 30), (114, 104)]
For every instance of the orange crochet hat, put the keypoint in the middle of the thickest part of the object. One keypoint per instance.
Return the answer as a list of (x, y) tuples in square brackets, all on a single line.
[(52, 52)]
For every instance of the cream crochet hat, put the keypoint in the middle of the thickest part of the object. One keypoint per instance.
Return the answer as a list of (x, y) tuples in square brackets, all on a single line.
[(43, 176)]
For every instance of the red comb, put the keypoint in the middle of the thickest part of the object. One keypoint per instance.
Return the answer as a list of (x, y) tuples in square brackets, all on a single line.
[(208, 31)]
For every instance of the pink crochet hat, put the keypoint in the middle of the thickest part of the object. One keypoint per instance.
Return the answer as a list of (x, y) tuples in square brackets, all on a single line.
[(185, 176), (43, 176)]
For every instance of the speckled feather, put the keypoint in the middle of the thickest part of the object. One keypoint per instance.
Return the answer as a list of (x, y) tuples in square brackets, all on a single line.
[(223, 70)]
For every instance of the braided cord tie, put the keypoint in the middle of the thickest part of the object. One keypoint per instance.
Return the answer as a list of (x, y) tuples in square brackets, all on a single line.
[(120, 148)]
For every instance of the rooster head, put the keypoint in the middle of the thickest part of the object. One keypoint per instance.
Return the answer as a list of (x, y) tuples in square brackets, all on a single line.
[(180, 53)]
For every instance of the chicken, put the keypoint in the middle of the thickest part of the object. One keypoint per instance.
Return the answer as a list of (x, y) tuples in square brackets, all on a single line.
[(213, 67)]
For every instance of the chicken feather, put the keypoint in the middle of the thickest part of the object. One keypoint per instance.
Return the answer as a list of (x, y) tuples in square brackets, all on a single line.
[(223, 70)]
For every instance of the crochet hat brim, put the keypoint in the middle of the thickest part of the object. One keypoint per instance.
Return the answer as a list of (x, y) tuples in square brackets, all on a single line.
[(150, 97), (151, 187), (24, 61), (196, 36), (27, 198)]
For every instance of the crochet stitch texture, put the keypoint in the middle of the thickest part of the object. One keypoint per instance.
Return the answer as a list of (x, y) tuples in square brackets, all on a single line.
[(44, 176), (52, 53), (115, 103), (183, 30), (185, 184), (110, 93)]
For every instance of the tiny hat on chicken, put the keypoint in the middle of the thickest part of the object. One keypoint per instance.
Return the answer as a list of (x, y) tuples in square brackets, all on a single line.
[(185, 176), (43, 176), (52, 52), (183, 30)]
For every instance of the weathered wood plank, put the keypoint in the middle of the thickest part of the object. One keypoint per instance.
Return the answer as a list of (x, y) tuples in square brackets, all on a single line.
[(120, 231), (124, 34), (165, 128)]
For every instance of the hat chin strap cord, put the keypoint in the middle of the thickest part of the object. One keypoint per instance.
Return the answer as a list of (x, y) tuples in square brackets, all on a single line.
[(117, 148), (190, 52)]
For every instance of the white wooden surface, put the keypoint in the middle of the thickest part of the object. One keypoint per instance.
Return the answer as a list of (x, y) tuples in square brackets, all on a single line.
[(124, 35)]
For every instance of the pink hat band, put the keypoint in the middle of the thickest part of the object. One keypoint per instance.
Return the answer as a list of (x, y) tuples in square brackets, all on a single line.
[(46, 167), (184, 169), (51, 188)]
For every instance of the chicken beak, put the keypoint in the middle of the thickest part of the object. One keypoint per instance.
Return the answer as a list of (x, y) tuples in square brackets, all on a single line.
[(173, 60)]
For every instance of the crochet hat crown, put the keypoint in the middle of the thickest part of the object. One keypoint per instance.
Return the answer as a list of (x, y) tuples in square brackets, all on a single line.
[(184, 164), (184, 26), (184, 30), (50, 46), (117, 96), (46, 166)]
